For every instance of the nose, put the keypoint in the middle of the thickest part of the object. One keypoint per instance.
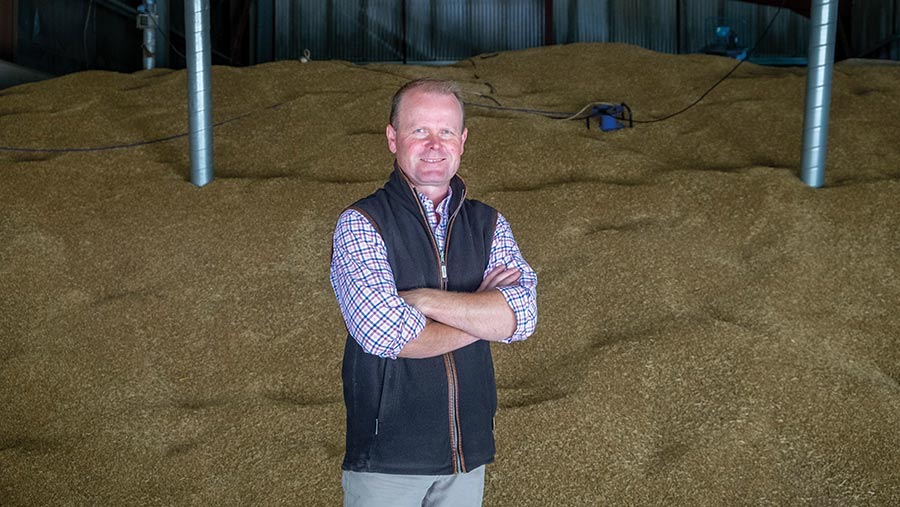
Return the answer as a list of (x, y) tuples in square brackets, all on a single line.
[(433, 142)]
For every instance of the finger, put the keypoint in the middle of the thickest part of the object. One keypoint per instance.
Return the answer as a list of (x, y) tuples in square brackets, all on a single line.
[(507, 278), (488, 281), (500, 277), (510, 277), (494, 273)]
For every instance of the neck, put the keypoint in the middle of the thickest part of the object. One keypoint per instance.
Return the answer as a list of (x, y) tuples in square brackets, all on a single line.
[(435, 194)]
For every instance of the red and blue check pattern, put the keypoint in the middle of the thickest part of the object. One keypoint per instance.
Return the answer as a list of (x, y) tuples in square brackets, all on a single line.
[(380, 320)]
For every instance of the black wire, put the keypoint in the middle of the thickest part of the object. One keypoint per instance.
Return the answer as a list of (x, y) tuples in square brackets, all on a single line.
[(98, 148), (128, 145), (559, 115), (87, 18), (730, 72), (169, 42), (551, 114), (694, 103), (136, 143)]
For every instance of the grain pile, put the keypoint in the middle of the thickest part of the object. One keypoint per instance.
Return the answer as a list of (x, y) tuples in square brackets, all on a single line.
[(712, 331)]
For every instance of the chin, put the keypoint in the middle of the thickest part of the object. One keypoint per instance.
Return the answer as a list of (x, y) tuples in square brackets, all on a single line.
[(434, 175)]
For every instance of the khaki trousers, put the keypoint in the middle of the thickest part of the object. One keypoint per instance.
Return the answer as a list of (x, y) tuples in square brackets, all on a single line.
[(364, 489)]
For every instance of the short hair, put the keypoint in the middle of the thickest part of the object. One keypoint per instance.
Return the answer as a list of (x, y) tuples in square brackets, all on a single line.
[(428, 85)]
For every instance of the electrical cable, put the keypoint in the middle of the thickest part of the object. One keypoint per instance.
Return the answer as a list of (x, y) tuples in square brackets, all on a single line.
[(556, 115), (136, 143), (169, 42), (87, 18), (133, 144), (559, 115), (723, 78)]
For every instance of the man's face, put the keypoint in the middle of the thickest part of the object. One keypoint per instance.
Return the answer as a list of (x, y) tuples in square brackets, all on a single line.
[(428, 140)]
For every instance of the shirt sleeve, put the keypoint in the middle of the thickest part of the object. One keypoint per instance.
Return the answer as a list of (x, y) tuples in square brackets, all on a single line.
[(522, 296), (376, 317)]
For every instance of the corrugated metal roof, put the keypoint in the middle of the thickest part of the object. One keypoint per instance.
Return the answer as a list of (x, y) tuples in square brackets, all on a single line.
[(649, 24), (575, 21), (788, 36), (872, 26), (373, 30), (452, 30), (895, 46), (443, 30)]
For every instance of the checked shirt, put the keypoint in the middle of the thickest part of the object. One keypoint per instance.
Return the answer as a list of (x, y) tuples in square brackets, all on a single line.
[(380, 320)]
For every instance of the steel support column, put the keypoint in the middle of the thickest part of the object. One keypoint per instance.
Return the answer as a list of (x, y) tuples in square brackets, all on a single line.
[(199, 58), (822, 31)]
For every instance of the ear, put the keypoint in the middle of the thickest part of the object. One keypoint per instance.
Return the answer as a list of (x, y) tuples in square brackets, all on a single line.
[(391, 138), (462, 143)]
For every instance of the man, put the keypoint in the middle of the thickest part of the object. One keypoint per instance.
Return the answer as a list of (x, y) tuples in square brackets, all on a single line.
[(425, 279)]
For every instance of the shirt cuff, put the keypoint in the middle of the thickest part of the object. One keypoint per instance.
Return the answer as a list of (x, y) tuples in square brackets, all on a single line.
[(414, 323), (521, 302)]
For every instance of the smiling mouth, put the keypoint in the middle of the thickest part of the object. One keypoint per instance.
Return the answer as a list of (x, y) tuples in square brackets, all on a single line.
[(433, 160)]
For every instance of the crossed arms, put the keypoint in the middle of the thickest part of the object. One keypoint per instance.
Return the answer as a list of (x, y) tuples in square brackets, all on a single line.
[(427, 322), (456, 319)]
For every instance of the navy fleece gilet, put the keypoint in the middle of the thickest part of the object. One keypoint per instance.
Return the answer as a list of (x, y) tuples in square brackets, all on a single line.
[(423, 416)]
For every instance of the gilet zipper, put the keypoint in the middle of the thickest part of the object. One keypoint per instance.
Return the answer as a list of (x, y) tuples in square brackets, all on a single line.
[(456, 453)]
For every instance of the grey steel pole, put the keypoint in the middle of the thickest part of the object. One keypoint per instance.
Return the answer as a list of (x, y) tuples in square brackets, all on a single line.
[(822, 30), (147, 21), (196, 32)]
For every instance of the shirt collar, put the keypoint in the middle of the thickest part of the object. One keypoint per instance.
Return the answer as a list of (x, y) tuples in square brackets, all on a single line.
[(429, 204)]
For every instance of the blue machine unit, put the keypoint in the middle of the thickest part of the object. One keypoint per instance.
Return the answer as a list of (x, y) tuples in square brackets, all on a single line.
[(725, 43), (610, 116)]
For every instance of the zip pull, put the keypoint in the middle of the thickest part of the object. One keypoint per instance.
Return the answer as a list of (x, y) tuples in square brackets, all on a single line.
[(443, 271)]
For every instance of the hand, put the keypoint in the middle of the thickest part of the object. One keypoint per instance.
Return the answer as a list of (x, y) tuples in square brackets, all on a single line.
[(417, 298), (482, 314), (501, 276)]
